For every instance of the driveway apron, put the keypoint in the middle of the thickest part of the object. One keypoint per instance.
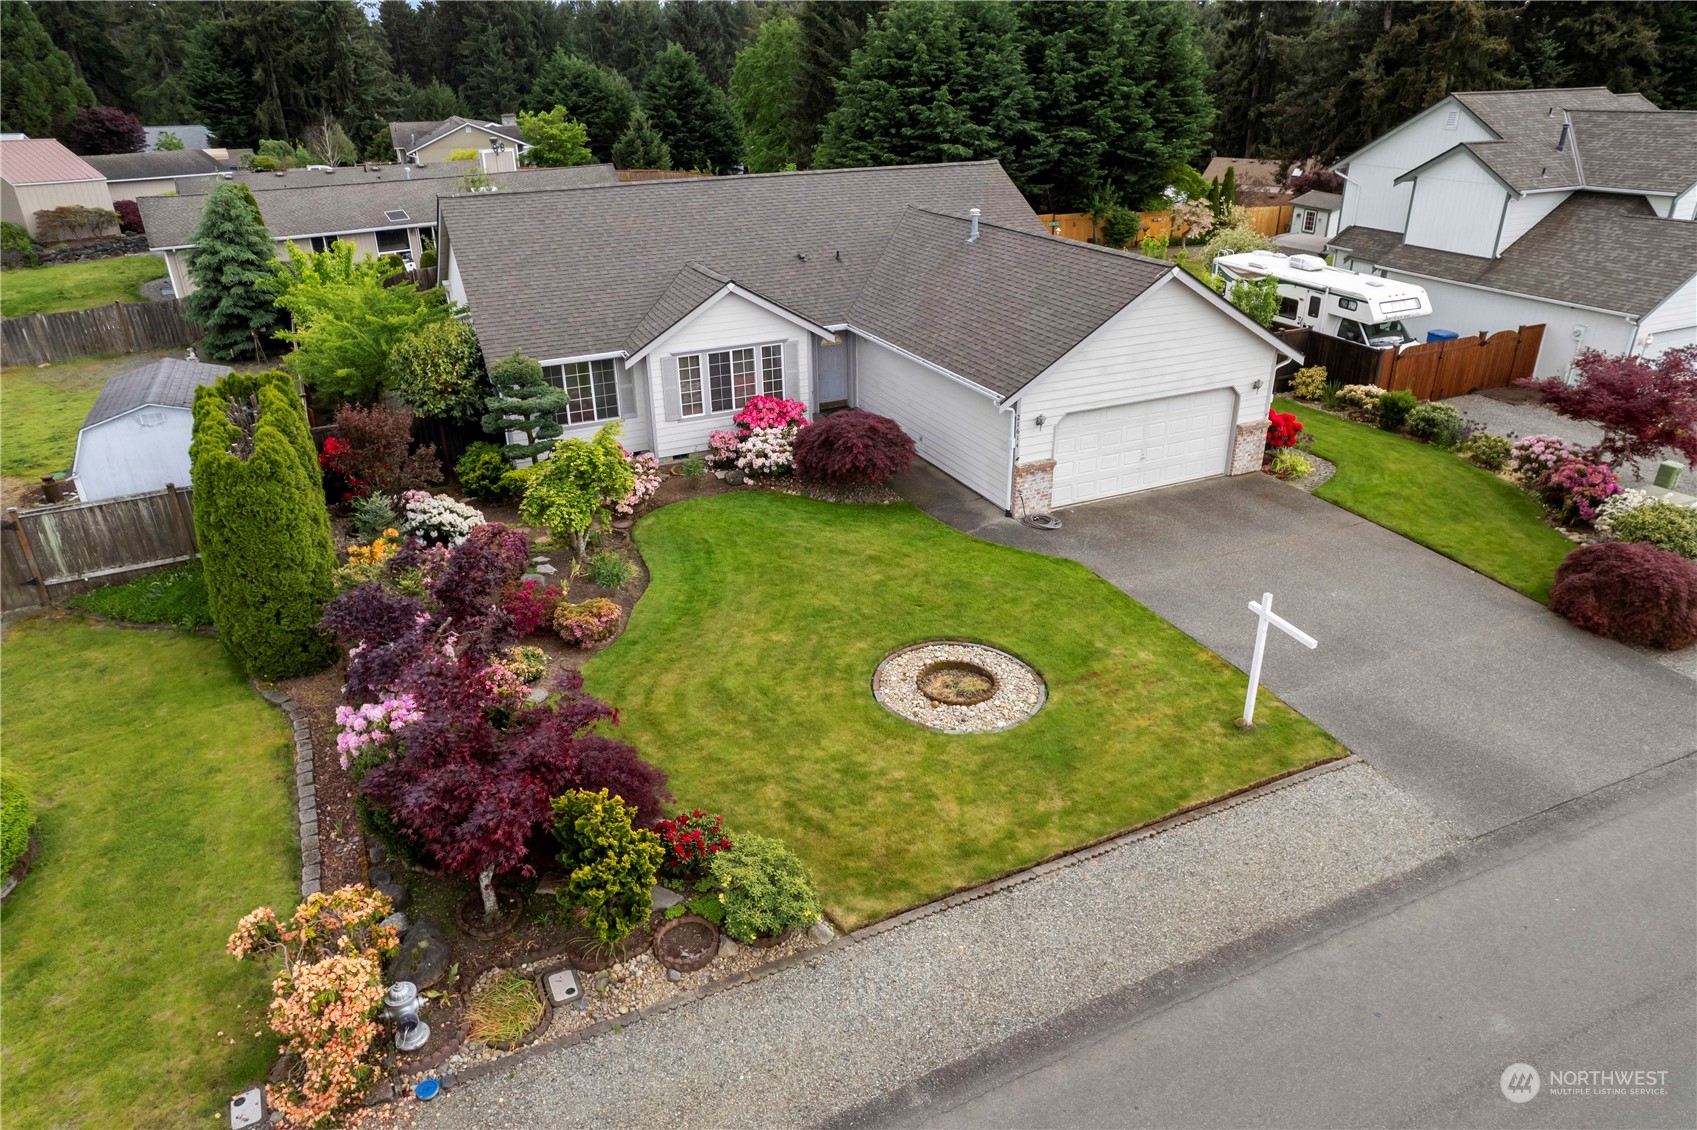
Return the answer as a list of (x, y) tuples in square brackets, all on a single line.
[(1474, 698)]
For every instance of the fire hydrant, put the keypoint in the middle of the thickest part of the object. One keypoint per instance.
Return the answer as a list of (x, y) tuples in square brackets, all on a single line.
[(400, 1005)]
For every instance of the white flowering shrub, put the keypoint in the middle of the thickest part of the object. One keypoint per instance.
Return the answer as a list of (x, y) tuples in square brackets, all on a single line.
[(1615, 508), (768, 451), (437, 519)]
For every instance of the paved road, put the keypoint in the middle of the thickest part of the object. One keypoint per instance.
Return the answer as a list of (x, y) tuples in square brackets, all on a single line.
[(1464, 692), (1572, 948)]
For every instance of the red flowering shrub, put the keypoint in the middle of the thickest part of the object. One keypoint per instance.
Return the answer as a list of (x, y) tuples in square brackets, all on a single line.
[(508, 545), (373, 449), (1629, 591), (852, 447), (771, 412), (532, 605), (594, 621), (1642, 406), (1282, 429), (1574, 489), (691, 839)]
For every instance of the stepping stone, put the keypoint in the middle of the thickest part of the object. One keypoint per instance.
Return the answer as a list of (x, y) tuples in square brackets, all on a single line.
[(546, 570), (539, 560), (537, 577), (660, 898)]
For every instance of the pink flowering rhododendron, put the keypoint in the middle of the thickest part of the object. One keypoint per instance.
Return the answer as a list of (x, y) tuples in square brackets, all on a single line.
[(771, 412), (372, 723), (1532, 457), (646, 470), (722, 450), (1575, 488), (768, 451)]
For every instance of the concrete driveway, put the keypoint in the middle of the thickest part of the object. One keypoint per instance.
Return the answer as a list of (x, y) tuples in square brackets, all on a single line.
[(1479, 701)]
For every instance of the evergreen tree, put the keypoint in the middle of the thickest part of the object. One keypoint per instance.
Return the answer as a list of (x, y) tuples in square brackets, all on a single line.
[(622, 35), (1442, 46), (40, 91), (232, 255), (217, 89), (599, 98), (1242, 42), (693, 116), (711, 30), (524, 402), (406, 36), (431, 103), (493, 83), (260, 519), (934, 82), (641, 147), (831, 31), (764, 91)]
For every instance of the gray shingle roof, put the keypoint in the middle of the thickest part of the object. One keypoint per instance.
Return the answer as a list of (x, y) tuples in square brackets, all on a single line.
[(192, 137), (1528, 124), (169, 382), (408, 136), (574, 273), (156, 165), (693, 285), (349, 207), (1320, 201), (262, 181), (1602, 251), (1653, 150), (997, 310)]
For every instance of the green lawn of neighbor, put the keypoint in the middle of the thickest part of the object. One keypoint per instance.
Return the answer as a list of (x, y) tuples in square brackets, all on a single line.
[(77, 286), (42, 409), (161, 782), (746, 674), (1437, 499)]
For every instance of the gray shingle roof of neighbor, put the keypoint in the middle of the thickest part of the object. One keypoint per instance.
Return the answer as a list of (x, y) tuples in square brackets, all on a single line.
[(1320, 201), (1529, 122), (693, 285), (267, 181), (1652, 150), (157, 165), (997, 310), (574, 273), (410, 135), (1602, 251), (192, 137), (169, 383), (334, 208)]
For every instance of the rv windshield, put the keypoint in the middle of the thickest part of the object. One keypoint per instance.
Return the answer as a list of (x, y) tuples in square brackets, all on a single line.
[(1377, 333)]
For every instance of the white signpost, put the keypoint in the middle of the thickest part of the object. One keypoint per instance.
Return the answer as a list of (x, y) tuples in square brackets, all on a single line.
[(1264, 614)]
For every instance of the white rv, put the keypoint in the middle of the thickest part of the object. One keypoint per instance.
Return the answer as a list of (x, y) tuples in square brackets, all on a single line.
[(1365, 309)]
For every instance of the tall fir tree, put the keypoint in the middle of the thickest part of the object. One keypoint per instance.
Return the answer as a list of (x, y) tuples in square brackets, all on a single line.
[(624, 35), (764, 88), (691, 114), (217, 89), (831, 31), (40, 92), (598, 97), (233, 254), (431, 103), (641, 146), (1440, 47), (711, 30), (1242, 43)]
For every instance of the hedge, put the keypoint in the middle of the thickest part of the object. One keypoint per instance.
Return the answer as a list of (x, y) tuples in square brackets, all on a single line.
[(263, 528), (15, 820)]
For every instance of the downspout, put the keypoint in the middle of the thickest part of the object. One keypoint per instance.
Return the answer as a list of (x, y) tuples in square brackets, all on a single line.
[(1013, 455)]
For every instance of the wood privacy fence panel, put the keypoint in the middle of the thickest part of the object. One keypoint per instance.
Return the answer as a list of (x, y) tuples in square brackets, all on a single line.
[(123, 327), (656, 174), (1345, 361), (1271, 220), (53, 552), (1083, 227), (1434, 370)]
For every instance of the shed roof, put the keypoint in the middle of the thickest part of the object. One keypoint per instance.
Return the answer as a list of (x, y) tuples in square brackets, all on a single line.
[(1603, 251), (335, 208), (157, 165), (42, 160), (1319, 201), (167, 383)]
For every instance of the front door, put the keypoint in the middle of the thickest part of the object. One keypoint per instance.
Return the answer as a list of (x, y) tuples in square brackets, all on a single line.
[(833, 372)]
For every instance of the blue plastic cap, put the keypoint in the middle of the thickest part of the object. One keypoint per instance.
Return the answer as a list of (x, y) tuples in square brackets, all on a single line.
[(425, 1089)]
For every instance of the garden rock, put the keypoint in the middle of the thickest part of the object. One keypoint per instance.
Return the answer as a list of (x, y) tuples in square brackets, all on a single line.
[(546, 570), (728, 948), (422, 958), (735, 478), (397, 893), (377, 854), (537, 577), (379, 875), (821, 931), (398, 920), (661, 898)]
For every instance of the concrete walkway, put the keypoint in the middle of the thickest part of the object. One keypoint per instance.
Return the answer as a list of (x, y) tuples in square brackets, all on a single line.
[(1477, 700)]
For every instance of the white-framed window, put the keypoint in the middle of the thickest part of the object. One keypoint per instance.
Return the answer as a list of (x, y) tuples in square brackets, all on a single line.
[(724, 380), (1308, 221), (593, 387)]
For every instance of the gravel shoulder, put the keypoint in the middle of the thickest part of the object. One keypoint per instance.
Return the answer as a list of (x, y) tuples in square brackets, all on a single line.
[(867, 1016)]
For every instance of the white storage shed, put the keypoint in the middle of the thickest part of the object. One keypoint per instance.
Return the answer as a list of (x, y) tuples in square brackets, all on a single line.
[(136, 437)]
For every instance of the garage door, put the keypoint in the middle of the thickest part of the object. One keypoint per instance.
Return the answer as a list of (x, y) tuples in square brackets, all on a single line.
[(1153, 443)]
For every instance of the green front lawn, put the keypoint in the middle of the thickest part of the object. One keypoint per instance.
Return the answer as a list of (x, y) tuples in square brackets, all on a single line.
[(161, 782), (746, 669), (1437, 499), (77, 286)]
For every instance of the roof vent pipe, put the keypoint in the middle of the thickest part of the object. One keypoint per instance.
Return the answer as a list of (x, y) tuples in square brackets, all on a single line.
[(973, 234), (1561, 141)]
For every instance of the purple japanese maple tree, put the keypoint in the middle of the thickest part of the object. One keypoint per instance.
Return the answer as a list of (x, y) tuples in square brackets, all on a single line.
[(1642, 406)]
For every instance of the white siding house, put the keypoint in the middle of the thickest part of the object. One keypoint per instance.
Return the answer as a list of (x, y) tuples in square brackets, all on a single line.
[(136, 437), (1457, 205)]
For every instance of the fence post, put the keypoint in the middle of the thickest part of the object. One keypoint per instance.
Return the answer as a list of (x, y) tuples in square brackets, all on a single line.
[(29, 554), (184, 522)]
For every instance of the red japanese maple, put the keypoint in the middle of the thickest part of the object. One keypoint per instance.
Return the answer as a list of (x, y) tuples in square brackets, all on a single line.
[(1642, 406)]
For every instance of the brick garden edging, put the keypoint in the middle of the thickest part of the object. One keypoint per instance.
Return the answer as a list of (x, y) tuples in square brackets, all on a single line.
[(306, 792)]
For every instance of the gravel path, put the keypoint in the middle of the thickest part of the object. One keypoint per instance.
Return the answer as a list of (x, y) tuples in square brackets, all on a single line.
[(1534, 419), (858, 1020)]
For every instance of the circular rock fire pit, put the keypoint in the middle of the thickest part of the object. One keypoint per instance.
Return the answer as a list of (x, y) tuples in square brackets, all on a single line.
[(958, 687)]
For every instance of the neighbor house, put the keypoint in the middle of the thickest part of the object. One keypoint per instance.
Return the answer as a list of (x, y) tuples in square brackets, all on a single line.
[(498, 144), (379, 217), (1259, 183), (1567, 208), (136, 437), (40, 174), (1313, 221), (1036, 370), (267, 180), (131, 176)]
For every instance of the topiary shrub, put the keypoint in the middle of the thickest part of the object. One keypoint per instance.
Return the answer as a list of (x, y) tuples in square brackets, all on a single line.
[(263, 529), (594, 621), (1394, 408), (1309, 383), (1431, 420), (853, 447), (16, 819), (610, 864), (1661, 524), (1482, 449), (765, 888), (481, 470), (1631, 592)]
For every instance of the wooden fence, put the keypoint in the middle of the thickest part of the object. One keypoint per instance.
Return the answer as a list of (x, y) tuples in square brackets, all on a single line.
[(1084, 227), (123, 327), (52, 552), (655, 174), (1434, 370)]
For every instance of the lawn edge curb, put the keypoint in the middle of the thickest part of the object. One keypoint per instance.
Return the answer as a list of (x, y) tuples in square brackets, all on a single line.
[(306, 792)]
